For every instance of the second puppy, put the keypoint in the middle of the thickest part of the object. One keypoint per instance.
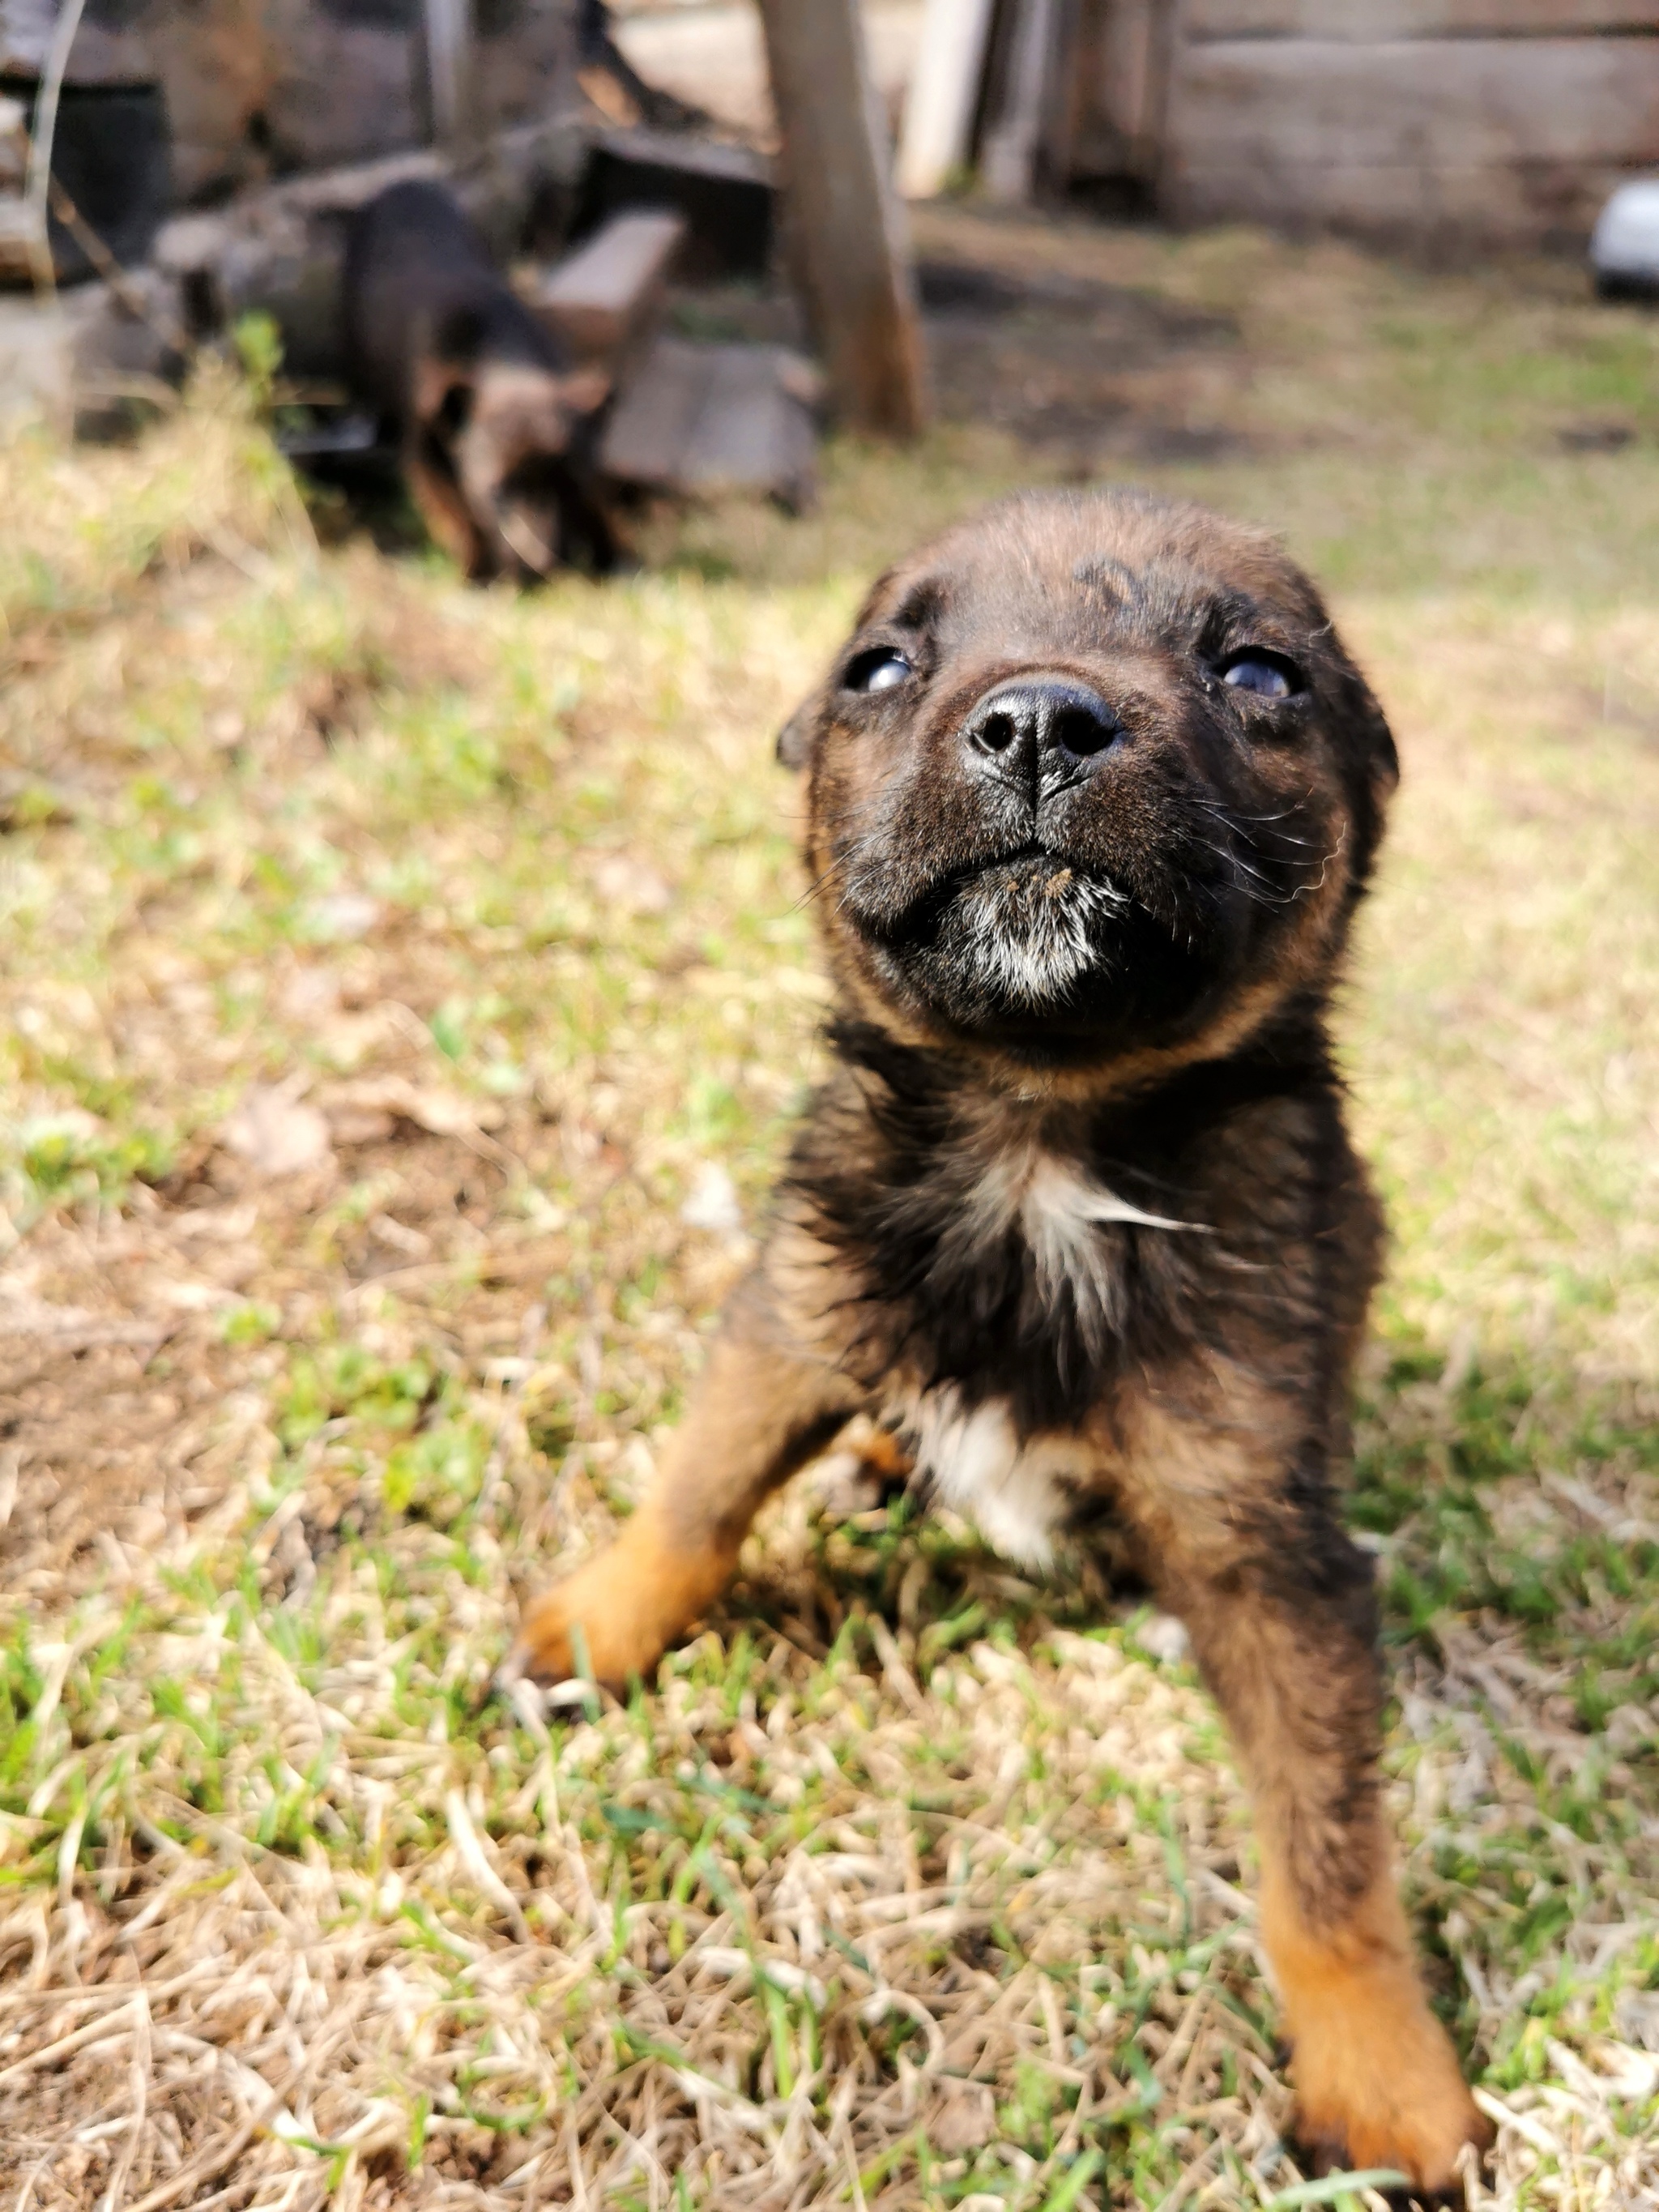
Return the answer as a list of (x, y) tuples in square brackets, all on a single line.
[(492, 416)]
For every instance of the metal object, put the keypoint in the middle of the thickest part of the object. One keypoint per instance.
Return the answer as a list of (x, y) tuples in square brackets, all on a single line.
[(1624, 244)]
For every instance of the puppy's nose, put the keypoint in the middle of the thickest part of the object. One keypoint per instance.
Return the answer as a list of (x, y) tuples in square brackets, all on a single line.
[(1035, 725)]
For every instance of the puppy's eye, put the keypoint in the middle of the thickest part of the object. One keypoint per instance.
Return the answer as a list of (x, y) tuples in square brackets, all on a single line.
[(1264, 674), (878, 670)]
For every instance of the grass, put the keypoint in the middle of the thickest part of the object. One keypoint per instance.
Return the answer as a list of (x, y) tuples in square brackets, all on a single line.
[(910, 1883)]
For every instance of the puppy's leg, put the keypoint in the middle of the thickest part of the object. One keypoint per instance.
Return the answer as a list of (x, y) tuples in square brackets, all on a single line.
[(589, 531), (1283, 1618), (759, 1412), (442, 509)]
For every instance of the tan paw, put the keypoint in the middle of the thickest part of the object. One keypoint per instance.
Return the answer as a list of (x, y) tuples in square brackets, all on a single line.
[(1374, 2093), (628, 1605), (616, 1642)]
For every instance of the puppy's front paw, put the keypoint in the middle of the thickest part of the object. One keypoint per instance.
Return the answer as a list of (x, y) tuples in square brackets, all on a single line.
[(629, 1604), (1377, 2091), (604, 1608)]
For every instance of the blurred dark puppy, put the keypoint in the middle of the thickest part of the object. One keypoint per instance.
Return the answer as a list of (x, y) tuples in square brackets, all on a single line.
[(1093, 791), (493, 417)]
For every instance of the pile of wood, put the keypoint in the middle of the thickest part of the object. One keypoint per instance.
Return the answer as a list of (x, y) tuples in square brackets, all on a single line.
[(689, 416), (1430, 123)]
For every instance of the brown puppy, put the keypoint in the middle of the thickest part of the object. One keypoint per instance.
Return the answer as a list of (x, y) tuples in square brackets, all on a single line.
[(1094, 790), (493, 417)]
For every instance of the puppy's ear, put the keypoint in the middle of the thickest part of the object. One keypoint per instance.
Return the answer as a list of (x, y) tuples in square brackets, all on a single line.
[(1374, 772), (794, 747), (1385, 754), (585, 391), (1374, 740)]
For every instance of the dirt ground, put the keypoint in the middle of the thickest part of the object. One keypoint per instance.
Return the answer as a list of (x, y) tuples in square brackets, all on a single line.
[(407, 991)]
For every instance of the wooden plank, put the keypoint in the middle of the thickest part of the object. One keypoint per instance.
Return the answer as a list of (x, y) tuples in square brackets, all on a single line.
[(753, 432), (706, 419), (450, 72), (1015, 135), (1378, 21), (649, 429), (1119, 72), (846, 221), (607, 294), (1288, 107)]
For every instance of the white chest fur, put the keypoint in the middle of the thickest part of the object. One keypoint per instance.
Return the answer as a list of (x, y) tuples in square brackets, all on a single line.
[(1015, 1492), (1020, 1494), (1016, 1495), (1060, 1208)]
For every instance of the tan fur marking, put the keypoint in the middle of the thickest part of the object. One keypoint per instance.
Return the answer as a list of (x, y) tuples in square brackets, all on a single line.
[(444, 511), (631, 1603), (1377, 2082), (758, 1413)]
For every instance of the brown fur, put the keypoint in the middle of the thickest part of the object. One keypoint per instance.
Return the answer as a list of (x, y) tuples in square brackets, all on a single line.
[(493, 418), (1076, 1205)]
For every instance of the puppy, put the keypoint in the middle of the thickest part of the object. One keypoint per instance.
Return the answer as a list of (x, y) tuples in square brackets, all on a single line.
[(492, 414), (1093, 791)]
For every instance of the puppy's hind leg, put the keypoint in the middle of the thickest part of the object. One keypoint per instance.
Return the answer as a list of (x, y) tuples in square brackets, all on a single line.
[(760, 1412)]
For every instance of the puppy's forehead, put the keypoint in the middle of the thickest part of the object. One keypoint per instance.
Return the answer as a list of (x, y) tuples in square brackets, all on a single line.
[(1031, 561)]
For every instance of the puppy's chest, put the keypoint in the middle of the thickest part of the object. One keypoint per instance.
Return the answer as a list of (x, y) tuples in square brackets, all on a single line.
[(1024, 1279), (1028, 1301), (1019, 1491)]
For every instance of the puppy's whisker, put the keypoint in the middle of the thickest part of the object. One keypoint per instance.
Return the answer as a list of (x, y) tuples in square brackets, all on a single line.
[(1244, 823), (837, 868), (1267, 895)]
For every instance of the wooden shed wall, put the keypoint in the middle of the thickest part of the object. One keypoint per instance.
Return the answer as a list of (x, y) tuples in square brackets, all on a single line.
[(1428, 121), (256, 86)]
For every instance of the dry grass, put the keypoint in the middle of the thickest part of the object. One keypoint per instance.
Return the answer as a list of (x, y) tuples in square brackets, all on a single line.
[(909, 1884)]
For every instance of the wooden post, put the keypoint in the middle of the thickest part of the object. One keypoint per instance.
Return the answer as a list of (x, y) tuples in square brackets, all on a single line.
[(846, 222)]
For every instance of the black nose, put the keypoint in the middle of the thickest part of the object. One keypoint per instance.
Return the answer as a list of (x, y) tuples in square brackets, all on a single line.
[(1036, 725)]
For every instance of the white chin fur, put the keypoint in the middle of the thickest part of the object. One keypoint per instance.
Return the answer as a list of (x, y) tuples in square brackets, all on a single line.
[(1030, 933)]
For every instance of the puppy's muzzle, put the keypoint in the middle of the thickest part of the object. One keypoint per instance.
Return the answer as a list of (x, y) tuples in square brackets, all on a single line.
[(1040, 733)]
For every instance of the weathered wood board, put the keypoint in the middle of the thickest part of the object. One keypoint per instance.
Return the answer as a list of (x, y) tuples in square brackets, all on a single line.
[(1376, 22), (939, 113), (1427, 122), (1115, 84), (605, 296), (850, 246), (706, 419), (1515, 137)]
